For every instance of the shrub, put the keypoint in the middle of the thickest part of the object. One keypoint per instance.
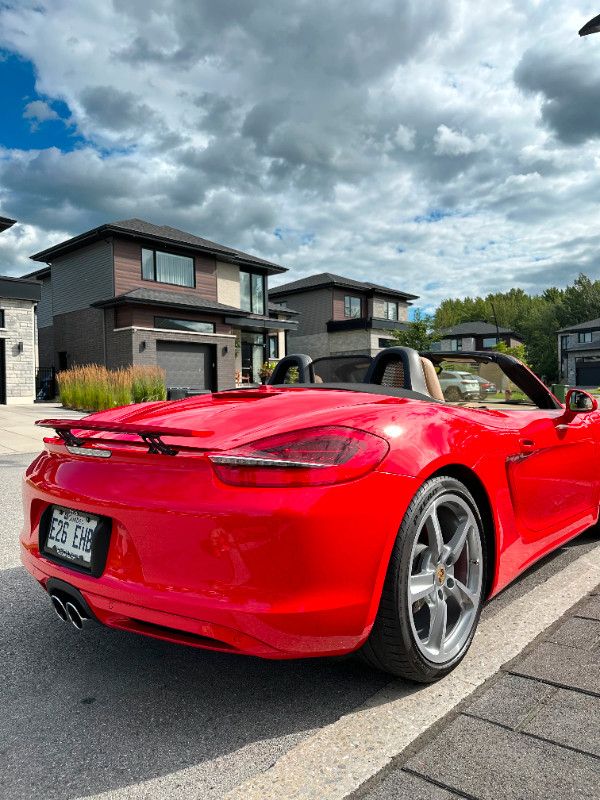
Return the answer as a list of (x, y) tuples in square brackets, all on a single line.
[(95, 388)]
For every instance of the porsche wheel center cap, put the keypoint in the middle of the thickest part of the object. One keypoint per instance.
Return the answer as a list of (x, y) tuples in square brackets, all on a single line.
[(441, 574)]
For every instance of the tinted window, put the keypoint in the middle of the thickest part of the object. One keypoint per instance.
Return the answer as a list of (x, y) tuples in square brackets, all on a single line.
[(184, 325)]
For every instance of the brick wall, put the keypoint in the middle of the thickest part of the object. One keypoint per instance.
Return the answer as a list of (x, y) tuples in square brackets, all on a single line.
[(138, 346), (19, 327), (81, 335)]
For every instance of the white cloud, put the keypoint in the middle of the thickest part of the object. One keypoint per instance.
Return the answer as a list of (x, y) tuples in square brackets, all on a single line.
[(38, 111), (405, 137), (454, 143)]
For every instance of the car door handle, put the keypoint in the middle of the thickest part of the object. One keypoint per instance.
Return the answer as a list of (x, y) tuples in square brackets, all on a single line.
[(527, 445)]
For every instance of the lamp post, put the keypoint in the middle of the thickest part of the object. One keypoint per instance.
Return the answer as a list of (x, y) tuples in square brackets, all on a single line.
[(593, 26)]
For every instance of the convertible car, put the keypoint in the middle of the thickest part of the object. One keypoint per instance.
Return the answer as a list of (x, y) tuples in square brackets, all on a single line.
[(346, 506)]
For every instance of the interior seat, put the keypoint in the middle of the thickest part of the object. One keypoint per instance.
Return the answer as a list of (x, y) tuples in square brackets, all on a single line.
[(431, 379)]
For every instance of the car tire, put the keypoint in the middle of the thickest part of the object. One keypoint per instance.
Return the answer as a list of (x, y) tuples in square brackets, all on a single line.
[(453, 394), (434, 586)]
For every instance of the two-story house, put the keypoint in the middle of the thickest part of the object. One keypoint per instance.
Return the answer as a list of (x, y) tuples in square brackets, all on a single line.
[(130, 292), (579, 354), (340, 315), (18, 344), (475, 336)]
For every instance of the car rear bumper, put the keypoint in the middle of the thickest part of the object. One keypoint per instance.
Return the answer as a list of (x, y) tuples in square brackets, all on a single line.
[(271, 572)]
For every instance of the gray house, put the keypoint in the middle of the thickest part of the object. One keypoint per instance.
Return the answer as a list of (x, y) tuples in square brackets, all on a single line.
[(475, 336), (18, 339), (339, 315), (579, 354), (131, 292)]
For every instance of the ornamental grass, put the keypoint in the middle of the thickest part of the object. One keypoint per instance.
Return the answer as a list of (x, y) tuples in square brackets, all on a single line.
[(95, 388)]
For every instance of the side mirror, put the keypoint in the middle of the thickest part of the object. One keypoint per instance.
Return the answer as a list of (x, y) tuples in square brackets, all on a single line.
[(578, 401)]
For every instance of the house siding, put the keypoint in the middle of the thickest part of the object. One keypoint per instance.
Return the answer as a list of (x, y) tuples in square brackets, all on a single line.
[(314, 309), (82, 278), (128, 271), (44, 309)]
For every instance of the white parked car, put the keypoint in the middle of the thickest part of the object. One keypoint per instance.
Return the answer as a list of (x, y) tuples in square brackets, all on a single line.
[(458, 386)]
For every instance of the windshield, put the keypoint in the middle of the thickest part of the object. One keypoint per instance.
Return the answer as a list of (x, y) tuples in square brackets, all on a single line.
[(468, 382)]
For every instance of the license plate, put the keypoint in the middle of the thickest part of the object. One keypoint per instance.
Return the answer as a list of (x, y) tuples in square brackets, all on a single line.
[(70, 535)]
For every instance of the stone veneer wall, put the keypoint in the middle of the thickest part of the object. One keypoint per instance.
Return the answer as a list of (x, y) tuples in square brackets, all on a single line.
[(19, 326)]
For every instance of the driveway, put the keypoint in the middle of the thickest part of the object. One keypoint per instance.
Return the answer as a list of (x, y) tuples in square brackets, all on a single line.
[(18, 433)]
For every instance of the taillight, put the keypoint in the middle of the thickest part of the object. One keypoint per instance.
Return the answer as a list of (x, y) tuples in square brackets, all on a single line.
[(308, 457)]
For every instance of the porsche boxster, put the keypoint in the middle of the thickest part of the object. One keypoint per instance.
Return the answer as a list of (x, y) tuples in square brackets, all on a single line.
[(346, 506)]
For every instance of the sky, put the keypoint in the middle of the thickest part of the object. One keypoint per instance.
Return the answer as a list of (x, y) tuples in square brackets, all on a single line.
[(445, 148)]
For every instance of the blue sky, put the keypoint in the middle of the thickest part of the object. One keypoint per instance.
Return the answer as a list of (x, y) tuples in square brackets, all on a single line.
[(21, 128), (392, 142)]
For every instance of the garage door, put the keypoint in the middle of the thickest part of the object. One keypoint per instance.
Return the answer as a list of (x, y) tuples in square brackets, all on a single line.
[(187, 364), (588, 373)]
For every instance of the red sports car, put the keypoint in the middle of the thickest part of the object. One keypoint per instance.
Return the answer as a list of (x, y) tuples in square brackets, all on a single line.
[(311, 516)]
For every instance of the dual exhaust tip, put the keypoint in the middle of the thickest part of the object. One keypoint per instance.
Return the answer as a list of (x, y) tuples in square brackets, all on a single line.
[(69, 611)]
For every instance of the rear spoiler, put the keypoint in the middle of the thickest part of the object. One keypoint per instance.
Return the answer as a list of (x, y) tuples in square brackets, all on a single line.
[(151, 435)]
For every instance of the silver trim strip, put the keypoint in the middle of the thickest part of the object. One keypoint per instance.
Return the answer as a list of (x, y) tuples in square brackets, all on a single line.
[(256, 461)]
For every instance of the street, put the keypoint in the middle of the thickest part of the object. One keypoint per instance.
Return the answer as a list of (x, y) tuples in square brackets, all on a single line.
[(110, 714)]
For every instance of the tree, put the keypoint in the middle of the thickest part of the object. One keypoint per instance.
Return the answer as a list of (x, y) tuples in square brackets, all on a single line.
[(518, 351), (419, 334), (536, 319)]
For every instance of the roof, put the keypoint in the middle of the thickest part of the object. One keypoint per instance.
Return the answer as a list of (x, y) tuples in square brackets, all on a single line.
[(278, 309), (327, 279), (138, 228), (173, 299), (474, 329), (591, 325), (6, 223)]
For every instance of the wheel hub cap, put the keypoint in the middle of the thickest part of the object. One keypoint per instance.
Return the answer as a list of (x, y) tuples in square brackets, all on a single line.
[(441, 574)]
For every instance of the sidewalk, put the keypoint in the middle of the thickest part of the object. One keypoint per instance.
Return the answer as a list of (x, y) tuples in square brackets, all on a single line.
[(532, 732), (18, 433)]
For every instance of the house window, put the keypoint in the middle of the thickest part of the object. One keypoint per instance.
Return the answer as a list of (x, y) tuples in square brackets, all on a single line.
[(171, 324), (352, 306), (564, 342), (386, 342), (252, 292), (390, 310), (1, 318), (455, 344), (282, 303), (490, 342), (584, 337), (167, 268), (273, 346)]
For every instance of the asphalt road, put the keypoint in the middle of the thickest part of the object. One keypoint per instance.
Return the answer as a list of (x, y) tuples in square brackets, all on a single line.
[(111, 714)]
